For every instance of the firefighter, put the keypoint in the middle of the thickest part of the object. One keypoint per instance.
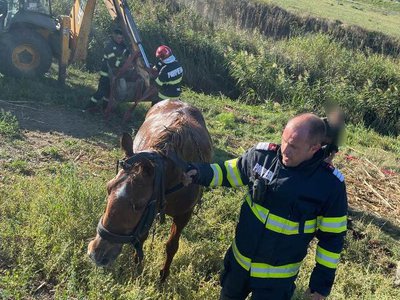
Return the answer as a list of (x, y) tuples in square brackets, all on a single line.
[(168, 75), (293, 195), (3, 12), (115, 52)]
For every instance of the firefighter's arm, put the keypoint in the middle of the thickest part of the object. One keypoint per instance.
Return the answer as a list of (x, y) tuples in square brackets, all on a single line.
[(161, 77), (332, 226), (231, 173)]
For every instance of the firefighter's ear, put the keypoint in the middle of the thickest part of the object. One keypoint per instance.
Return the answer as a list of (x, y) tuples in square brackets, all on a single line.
[(315, 148)]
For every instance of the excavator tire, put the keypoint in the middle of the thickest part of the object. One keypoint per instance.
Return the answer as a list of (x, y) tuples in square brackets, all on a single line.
[(25, 54)]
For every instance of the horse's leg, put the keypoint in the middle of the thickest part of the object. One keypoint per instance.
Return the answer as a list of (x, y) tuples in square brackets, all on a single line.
[(178, 223)]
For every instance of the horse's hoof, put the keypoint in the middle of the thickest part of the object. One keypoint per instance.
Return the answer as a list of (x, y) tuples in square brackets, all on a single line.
[(163, 275)]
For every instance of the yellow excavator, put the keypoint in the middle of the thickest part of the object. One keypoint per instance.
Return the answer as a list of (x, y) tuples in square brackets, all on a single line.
[(30, 36)]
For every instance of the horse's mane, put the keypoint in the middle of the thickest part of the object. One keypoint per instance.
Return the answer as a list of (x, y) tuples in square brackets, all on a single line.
[(178, 128)]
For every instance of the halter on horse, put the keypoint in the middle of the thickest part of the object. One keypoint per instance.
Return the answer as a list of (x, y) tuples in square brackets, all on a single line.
[(155, 205), (150, 182)]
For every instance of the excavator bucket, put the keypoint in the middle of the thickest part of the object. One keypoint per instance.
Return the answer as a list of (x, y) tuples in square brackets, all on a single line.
[(81, 22)]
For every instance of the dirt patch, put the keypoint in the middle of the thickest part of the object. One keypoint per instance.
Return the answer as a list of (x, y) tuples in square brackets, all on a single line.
[(44, 117)]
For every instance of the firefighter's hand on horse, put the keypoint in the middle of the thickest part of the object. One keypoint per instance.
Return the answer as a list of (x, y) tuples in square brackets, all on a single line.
[(153, 72), (313, 296), (187, 177)]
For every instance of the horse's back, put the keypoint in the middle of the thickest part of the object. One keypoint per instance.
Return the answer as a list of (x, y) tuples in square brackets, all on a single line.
[(179, 124)]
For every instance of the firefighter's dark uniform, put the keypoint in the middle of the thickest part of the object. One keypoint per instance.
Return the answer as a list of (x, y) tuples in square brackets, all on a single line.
[(169, 79), (3, 12), (114, 55), (273, 233)]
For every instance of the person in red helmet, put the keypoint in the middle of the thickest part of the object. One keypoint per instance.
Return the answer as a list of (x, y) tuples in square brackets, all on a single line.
[(167, 75), (170, 74)]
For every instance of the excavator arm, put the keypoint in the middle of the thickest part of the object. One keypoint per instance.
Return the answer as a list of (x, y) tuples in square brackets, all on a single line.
[(120, 11)]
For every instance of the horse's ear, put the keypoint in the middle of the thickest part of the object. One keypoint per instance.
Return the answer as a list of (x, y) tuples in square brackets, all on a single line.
[(127, 144)]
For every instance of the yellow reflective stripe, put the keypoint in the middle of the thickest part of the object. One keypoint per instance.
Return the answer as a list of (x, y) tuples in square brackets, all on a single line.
[(310, 226), (334, 225), (279, 224), (174, 81), (232, 172), (102, 73), (110, 55), (260, 212), (261, 270), (282, 225), (218, 176), (158, 81), (242, 260), (327, 258), (117, 63)]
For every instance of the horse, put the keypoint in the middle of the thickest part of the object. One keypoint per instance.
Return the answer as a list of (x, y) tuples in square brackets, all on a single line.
[(149, 182)]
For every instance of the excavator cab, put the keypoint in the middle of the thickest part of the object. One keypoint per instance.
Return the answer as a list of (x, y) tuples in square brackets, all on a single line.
[(28, 37)]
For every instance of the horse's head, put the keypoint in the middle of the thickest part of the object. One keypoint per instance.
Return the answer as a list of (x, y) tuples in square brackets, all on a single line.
[(130, 194)]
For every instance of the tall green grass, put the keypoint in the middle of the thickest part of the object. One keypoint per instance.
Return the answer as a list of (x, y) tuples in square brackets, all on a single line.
[(308, 72), (314, 72)]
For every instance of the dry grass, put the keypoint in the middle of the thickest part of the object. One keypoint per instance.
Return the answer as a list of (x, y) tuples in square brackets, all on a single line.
[(371, 188)]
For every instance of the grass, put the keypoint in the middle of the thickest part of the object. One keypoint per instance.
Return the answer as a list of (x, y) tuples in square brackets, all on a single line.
[(382, 16), (48, 216), (52, 194)]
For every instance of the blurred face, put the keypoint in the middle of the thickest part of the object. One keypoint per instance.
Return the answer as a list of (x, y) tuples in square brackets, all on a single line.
[(296, 146), (118, 38)]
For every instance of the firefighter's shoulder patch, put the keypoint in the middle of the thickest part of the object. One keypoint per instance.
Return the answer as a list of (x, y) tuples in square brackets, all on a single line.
[(266, 146), (334, 171)]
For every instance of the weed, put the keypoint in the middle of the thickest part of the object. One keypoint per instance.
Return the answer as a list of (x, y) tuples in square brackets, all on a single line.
[(9, 126)]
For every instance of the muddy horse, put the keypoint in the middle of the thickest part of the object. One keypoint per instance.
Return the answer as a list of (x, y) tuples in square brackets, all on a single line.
[(149, 182)]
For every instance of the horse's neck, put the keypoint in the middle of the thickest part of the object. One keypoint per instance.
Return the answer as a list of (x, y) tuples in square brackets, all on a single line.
[(172, 174)]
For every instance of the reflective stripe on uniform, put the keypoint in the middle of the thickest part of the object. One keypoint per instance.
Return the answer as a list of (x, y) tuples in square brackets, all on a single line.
[(282, 225), (327, 258), (218, 176), (278, 224), (112, 54), (242, 260), (159, 82), (117, 63), (102, 73), (232, 172), (334, 225), (176, 81), (93, 99), (260, 212), (262, 270)]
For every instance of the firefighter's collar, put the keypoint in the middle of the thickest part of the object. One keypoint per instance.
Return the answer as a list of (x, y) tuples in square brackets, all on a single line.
[(169, 60)]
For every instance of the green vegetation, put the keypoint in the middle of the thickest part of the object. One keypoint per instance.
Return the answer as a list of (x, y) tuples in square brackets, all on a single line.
[(8, 124), (53, 185), (314, 72), (383, 16), (48, 217)]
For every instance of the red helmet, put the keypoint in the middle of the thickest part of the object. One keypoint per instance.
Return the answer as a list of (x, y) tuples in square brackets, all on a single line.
[(163, 52)]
